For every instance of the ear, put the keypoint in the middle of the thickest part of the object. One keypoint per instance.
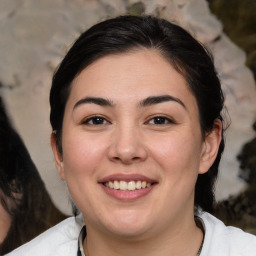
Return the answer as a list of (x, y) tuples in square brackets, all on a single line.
[(57, 156), (210, 147)]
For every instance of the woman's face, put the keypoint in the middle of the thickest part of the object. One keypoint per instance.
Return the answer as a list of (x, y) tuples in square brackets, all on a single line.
[(130, 122)]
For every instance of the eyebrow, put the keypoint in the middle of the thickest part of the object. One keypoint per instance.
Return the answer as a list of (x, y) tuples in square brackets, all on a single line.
[(152, 100), (160, 99), (95, 100)]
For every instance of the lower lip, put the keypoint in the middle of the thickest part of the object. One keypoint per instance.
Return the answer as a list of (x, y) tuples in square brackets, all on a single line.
[(127, 195)]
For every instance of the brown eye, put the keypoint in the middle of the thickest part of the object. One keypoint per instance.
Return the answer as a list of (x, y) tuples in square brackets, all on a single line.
[(160, 120), (95, 120)]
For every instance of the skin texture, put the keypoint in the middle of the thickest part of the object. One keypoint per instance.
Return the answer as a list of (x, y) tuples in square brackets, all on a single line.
[(5, 223), (129, 140)]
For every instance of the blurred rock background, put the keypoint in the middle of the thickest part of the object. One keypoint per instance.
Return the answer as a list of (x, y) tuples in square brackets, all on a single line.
[(35, 35), (239, 23)]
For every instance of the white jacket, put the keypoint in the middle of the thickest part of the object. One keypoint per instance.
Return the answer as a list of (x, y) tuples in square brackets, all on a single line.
[(62, 240)]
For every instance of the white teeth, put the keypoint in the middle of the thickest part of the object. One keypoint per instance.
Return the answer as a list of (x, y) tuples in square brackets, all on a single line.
[(138, 184), (131, 185), (111, 184), (116, 185), (123, 185)]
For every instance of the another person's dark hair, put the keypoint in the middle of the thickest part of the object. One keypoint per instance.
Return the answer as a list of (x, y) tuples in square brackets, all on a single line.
[(184, 53), (22, 192)]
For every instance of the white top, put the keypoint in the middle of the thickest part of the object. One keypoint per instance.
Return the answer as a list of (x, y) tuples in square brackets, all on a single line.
[(62, 240)]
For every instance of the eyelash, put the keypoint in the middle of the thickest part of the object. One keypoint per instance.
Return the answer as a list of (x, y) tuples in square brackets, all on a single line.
[(99, 120), (162, 120)]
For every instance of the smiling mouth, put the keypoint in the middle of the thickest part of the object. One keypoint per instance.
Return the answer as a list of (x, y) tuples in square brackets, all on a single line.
[(127, 186)]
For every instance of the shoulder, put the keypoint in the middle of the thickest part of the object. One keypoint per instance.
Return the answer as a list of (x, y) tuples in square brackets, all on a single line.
[(225, 240), (61, 239)]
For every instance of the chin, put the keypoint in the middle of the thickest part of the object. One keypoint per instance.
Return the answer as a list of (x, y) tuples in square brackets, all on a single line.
[(128, 227), (130, 233)]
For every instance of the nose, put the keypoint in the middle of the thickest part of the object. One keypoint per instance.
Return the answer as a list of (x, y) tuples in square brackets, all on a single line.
[(127, 145)]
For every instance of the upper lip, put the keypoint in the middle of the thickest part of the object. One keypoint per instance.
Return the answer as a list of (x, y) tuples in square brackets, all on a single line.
[(126, 177)]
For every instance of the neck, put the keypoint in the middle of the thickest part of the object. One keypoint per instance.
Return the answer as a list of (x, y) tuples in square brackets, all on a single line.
[(182, 239)]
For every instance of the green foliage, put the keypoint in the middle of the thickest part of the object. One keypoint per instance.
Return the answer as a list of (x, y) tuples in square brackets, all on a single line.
[(137, 8)]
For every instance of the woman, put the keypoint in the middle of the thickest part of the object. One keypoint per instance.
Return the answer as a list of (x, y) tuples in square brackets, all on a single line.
[(26, 209), (138, 136)]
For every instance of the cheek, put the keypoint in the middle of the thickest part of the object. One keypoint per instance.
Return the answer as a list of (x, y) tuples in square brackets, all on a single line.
[(176, 150), (81, 159), (82, 154), (178, 157)]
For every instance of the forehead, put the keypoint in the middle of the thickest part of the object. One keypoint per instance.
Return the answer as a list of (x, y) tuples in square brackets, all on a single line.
[(137, 74)]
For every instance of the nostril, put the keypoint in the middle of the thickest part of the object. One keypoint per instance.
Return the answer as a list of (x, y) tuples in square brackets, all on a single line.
[(127, 153), (126, 159)]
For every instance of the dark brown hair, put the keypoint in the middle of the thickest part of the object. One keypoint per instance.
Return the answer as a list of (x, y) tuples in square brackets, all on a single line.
[(23, 194)]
